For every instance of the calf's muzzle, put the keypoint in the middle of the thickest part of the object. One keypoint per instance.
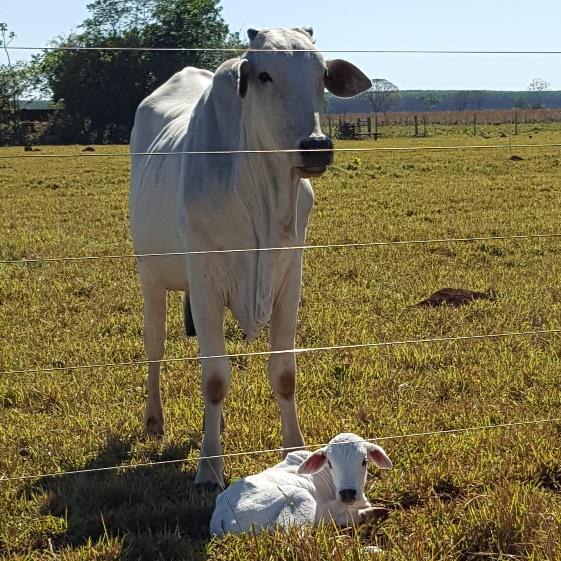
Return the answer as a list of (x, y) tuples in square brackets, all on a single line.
[(348, 496)]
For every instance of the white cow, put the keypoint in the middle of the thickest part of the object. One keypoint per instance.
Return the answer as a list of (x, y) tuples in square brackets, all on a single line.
[(268, 99), (305, 488)]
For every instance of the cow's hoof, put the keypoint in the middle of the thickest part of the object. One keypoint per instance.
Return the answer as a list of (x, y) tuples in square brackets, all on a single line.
[(153, 427)]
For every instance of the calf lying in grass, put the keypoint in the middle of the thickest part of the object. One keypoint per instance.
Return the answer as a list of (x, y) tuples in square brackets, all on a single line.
[(305, 488)]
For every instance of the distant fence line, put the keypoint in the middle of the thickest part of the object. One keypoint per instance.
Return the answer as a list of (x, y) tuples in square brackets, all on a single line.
[(359, 125), (340, 125)]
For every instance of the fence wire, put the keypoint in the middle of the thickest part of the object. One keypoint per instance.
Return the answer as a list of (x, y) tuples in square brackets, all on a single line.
[(279, 450), (458, 147), (357, 245), (517, 424), (245, 50), (302, 350)]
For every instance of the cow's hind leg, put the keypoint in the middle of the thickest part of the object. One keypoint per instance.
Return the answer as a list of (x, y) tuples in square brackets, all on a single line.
[(155, 308), (282, 367), (188, 323)]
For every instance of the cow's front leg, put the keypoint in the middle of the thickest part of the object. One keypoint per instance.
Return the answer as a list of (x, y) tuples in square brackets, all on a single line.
[(282, 367), (208, 316)]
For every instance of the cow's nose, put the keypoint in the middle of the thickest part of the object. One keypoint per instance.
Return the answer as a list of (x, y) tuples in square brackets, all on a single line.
[(317, 160), (348, 496)]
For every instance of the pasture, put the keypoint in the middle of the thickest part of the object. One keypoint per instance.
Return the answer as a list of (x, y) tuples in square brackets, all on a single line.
[(486, 494)]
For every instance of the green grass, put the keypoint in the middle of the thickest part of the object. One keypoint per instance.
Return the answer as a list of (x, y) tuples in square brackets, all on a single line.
[(479, 495)]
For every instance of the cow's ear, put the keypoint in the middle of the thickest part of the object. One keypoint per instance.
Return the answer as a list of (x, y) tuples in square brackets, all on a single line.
[(309, 31), (252, 33), (377, 455), (344, 79), (243, 77), (314, 462)]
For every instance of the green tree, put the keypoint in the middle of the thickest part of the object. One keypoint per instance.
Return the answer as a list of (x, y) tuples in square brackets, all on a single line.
[(462, 99), (15, 83), (430, 100), (520, 102), (101, 89), (537, 88)]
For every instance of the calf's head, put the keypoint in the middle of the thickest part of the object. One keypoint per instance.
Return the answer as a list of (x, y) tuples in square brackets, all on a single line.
[(282, 79), (345, 458)]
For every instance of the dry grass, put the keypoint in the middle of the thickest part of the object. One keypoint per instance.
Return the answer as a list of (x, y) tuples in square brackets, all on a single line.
[(482, 495)]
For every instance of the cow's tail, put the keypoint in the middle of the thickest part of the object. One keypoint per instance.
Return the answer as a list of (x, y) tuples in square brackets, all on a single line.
[(190, 330)]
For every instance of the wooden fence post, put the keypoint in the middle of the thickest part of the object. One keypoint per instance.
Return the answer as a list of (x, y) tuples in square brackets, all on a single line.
[(330, 125), (369, 125), (474, 124), (516, 122), (416, 126), (424, 124)]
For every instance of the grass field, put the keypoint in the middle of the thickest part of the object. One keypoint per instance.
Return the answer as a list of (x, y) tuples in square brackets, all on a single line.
[(489, 494)]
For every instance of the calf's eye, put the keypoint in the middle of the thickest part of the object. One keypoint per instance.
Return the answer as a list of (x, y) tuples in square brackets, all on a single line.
[(264, 77), (364, 462), (329, 464)]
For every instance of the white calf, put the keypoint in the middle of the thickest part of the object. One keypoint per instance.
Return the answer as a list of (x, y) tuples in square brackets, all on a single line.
[(305, 488)]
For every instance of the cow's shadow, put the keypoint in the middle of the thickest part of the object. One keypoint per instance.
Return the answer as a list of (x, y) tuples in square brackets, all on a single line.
[(155, 511)]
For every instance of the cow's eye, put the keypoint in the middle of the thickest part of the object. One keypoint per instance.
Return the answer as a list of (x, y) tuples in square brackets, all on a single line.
[(364, 462), (264, 77), (329, 464)]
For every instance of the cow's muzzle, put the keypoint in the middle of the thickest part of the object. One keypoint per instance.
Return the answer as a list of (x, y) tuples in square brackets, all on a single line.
[(317, 154)]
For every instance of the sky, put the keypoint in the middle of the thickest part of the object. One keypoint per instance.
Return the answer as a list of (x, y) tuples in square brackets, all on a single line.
[(373, 24)]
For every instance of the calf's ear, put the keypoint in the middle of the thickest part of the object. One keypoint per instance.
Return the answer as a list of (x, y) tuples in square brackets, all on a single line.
[(243, 77), (314, 462), (344, 79), (377, 455)]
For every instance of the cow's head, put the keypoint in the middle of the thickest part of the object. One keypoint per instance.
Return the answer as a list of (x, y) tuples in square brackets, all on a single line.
[(346, 457), (282, 79)]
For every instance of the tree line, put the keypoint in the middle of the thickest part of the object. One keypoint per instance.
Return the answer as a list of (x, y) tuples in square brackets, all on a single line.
[(384, 96), (97, 91)]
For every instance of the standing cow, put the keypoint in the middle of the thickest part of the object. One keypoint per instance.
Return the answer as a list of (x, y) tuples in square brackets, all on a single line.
[(269, 99)]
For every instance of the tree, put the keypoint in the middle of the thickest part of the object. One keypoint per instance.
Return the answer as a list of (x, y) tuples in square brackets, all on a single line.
[(477, 98), (15, 81), (462, 99), (102, 88), (383, 95), (430, 100), (537, 88), (520, 102)]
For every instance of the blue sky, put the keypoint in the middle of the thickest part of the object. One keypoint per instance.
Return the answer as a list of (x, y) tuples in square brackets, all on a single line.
[(373, 24)]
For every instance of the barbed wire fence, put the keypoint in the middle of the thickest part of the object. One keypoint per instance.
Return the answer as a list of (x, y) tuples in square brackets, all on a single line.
[(263, 451), (372, 345)]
